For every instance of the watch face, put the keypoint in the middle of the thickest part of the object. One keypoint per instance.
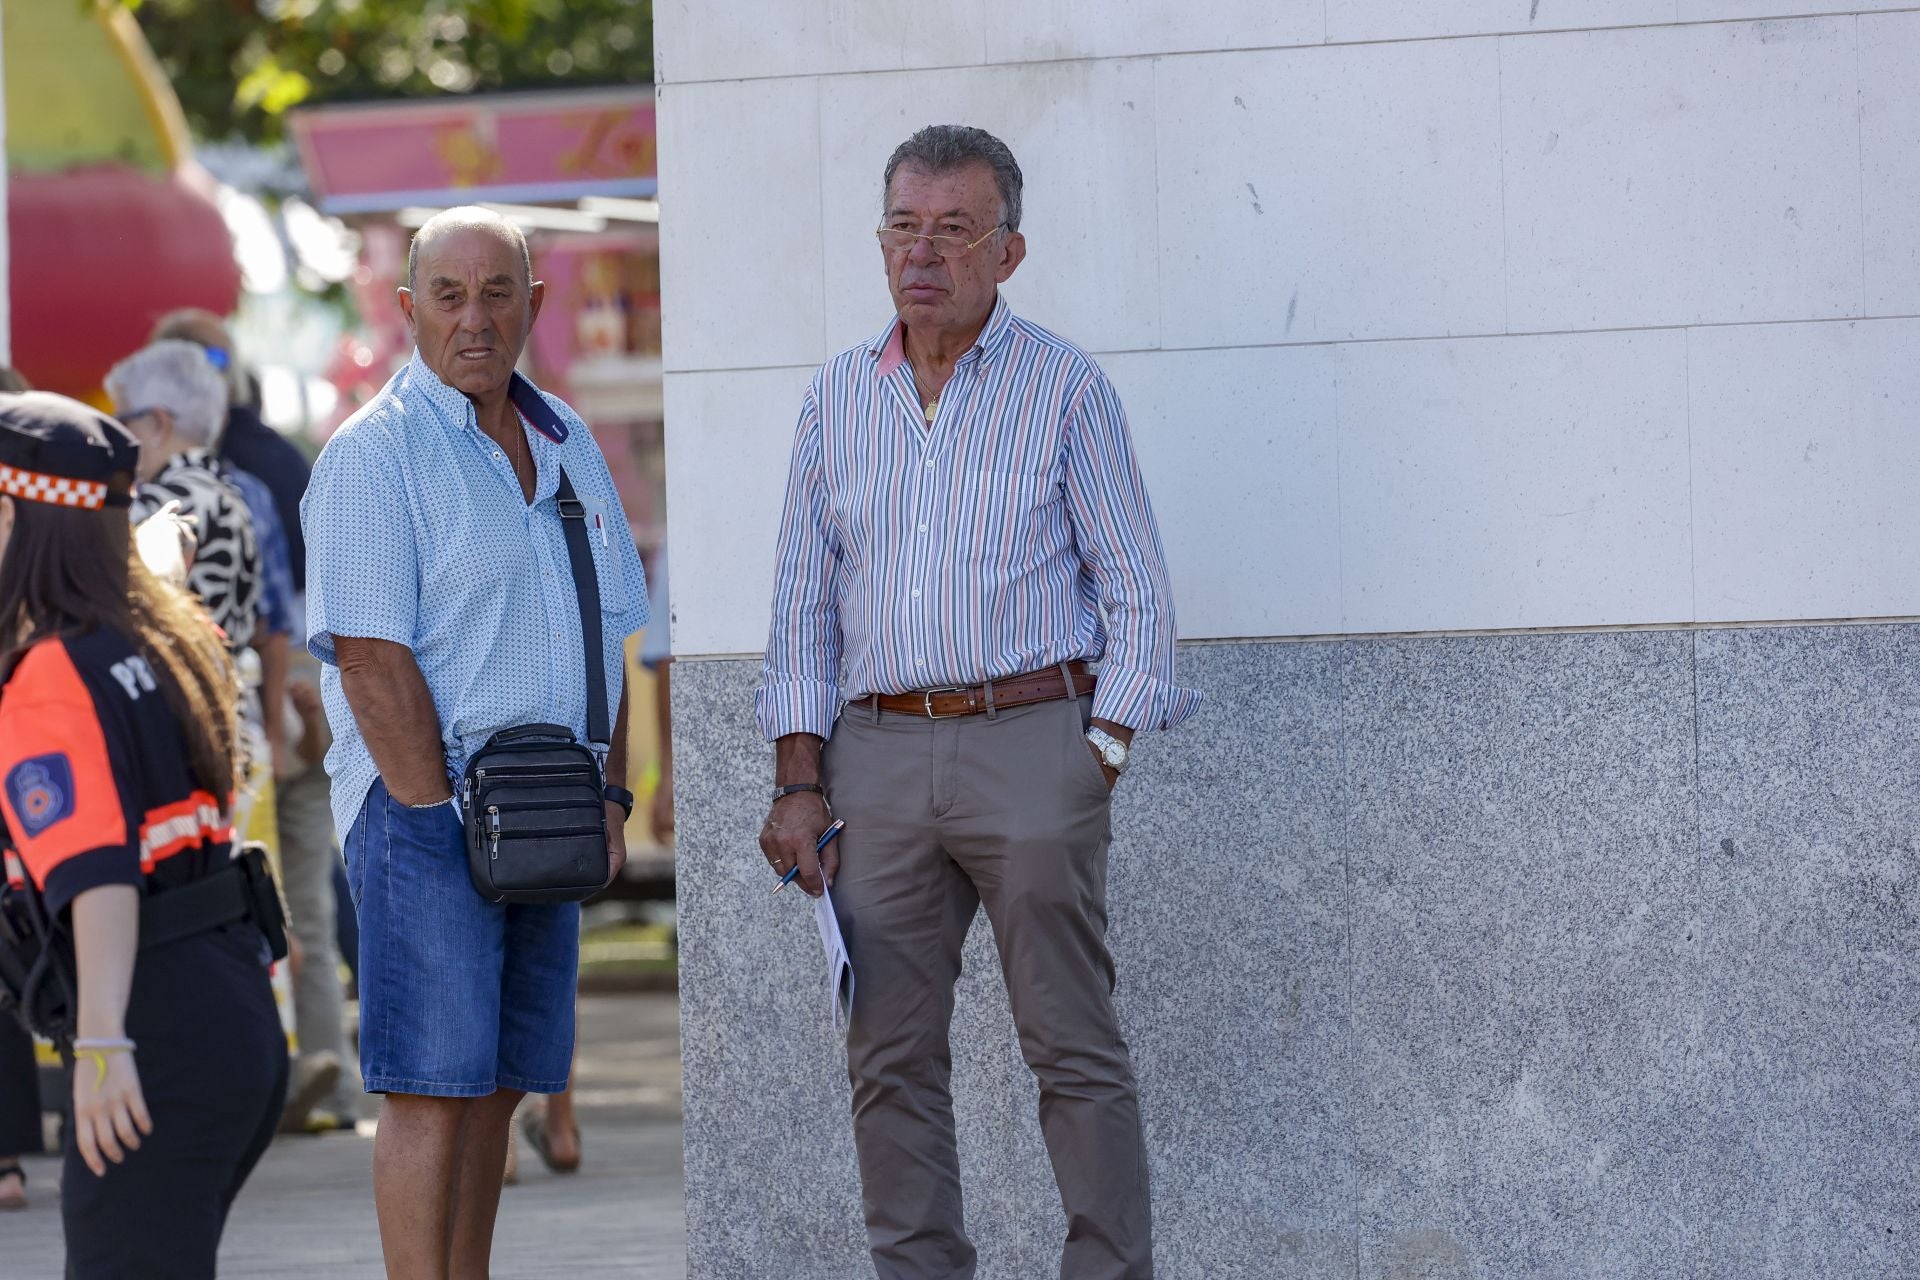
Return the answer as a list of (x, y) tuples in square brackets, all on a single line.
[(1114, 754)]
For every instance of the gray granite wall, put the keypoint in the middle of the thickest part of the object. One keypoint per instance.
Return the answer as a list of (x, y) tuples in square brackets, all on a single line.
[(1584, 955)]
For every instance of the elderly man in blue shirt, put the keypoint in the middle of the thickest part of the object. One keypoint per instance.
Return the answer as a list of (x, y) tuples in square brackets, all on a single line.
[(441, 600)]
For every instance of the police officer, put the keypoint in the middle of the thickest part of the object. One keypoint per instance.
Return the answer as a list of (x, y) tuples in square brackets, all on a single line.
[(117, 766)]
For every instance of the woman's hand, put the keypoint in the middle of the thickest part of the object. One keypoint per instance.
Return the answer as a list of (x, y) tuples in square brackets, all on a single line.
[(109, 1111)]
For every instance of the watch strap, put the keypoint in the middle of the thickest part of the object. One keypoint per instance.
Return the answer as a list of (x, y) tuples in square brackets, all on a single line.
[(1102, 741), (781, 793), (620, 796)]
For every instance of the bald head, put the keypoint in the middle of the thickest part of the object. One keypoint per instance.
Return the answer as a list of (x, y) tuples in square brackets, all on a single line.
[(471, 302), (467, 217)]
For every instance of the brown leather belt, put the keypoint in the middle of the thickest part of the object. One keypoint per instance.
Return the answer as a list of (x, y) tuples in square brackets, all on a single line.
[(1044, 685)]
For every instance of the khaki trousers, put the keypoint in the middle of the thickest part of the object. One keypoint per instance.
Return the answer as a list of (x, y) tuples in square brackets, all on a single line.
[(943, 816)]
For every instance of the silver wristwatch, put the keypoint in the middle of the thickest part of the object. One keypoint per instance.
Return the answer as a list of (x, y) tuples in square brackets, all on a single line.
[(1112, 751)]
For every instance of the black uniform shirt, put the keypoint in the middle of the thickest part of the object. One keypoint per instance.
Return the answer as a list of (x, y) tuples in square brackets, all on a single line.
[(95, 787)]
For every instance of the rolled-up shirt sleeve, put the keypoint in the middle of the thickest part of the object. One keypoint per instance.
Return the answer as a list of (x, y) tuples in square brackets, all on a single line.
[(800, 685), (362, 570), (1120, 546)]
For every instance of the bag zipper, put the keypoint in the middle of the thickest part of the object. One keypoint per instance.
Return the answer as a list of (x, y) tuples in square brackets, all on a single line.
[(527, 771), (543, 833)]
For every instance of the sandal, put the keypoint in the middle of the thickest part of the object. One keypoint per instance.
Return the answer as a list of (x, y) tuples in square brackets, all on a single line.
[(12, 1197), (534, 1125)]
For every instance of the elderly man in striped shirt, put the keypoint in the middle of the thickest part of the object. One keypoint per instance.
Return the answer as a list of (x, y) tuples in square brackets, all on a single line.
[(966, 529)]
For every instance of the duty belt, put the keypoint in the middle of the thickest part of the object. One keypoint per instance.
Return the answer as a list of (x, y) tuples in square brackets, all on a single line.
[(243, 890), (37, 980)]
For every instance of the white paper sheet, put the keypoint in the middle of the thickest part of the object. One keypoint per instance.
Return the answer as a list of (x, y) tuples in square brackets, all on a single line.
[(839, 968)]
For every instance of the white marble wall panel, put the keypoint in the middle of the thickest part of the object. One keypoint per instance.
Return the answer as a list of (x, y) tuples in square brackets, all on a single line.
[(740, 234), (1320, 194), (1682, 175), (1517, 482), (1805, 455), (1083, 134), (1240, 457), (1890, 161), (750, 38), (1721, 10), (1401, 20), (729, 437), (1046, 30)]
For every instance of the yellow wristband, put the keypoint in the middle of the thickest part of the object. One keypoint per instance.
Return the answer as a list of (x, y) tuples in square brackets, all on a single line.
[(96, 1053)]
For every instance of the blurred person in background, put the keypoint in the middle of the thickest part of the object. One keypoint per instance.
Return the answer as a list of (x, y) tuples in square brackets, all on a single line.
[(19, 1111), (118, 764), (248, 442), (174, 403), (264, 462)]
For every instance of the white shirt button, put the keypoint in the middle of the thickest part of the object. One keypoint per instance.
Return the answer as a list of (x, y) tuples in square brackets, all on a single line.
[(916, 595), (929, 464), (923, 528), (921, 663)]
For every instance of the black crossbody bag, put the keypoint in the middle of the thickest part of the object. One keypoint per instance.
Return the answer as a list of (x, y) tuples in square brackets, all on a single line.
[(534, 800)]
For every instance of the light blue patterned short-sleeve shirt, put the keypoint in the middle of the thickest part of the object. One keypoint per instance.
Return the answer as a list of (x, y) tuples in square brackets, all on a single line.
[(417, 533)]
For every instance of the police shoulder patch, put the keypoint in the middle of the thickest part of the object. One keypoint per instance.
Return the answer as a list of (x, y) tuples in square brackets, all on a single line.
[(41, 792)]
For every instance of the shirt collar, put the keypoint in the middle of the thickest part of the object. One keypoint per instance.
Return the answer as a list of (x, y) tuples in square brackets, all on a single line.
[(525, 396), (890, 345), (196, 458)]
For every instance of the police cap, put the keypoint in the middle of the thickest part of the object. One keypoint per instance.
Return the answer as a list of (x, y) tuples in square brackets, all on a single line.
[(64, 453)]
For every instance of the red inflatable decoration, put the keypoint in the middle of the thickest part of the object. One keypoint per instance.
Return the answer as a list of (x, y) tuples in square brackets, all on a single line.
[(98, 254)]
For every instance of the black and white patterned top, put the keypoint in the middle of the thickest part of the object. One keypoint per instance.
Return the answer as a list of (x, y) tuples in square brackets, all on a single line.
[(225, 573)]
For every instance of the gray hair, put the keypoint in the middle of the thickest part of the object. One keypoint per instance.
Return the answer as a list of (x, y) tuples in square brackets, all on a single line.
[(175, 375), (197, 324), (462, 218), (942, 148)]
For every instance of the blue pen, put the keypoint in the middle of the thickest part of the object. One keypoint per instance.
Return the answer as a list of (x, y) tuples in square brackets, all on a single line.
[(826, 838)]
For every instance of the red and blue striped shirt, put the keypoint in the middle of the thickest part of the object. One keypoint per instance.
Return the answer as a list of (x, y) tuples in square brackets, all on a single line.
[(1010, 534)]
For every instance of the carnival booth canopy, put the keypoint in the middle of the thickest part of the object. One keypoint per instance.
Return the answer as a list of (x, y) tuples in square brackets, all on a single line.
[(574, 168), (110, 222)]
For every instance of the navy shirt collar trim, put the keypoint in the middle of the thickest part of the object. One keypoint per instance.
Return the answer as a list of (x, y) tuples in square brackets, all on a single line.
[(534, 408)]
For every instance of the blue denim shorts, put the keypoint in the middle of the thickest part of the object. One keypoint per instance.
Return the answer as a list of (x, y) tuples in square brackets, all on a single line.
[(458, 996)]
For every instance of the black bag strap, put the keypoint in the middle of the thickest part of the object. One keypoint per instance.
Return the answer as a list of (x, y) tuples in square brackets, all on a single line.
[(586, 587)]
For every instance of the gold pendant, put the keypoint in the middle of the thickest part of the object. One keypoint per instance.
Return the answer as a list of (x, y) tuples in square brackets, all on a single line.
[(933, 407)]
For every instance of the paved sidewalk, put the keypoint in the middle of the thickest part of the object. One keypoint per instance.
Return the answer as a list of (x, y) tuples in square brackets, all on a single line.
[(307, 1212)]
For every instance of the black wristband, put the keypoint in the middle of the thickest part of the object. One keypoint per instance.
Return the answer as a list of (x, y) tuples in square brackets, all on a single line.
[(781, 793), (620, 796)]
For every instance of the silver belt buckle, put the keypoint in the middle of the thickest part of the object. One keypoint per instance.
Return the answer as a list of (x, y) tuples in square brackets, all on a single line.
[(926, 696)]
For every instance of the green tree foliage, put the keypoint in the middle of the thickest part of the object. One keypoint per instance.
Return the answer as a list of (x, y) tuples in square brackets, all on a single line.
[(239, 65)]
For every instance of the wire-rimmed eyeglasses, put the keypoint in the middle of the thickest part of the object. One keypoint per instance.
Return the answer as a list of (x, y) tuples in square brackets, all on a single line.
[(894, 240)]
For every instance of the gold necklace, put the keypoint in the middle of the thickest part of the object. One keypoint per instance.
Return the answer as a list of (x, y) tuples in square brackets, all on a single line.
[(515, 451), (931, 407)]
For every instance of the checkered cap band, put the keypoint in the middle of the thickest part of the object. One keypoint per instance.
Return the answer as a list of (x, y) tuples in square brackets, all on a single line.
[(58, 491)]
